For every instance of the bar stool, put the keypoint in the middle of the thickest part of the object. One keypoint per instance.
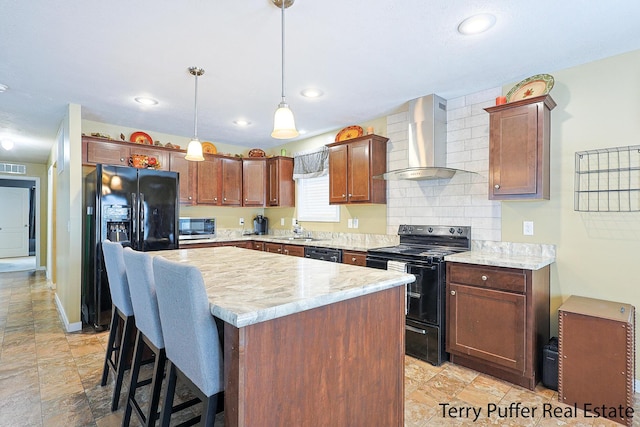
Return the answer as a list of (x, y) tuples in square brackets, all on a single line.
[(121, 310), (190, 334), (145, 307)]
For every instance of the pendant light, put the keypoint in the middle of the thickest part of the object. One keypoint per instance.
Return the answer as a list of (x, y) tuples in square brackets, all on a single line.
[(284, 125), (194, 149)]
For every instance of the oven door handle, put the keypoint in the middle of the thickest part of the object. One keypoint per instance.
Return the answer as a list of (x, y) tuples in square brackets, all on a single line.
[(412, 329)]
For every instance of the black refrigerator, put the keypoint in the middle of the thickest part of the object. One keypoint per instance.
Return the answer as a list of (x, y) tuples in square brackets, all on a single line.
[(136, 207)]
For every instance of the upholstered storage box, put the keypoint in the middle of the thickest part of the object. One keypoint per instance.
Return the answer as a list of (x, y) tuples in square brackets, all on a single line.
[(597, 357)]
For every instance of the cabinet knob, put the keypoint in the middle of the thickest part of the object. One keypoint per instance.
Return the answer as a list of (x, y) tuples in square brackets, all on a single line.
[(353, 258), (344, 196), (215, 199), (121, 159), (190, 198), (453, 292), (246, 200), (286, 251), (484, 278), (350, 194), (224, 199), (496, 186)]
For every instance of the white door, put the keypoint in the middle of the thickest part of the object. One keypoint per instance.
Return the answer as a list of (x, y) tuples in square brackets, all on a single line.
[(14, 222)]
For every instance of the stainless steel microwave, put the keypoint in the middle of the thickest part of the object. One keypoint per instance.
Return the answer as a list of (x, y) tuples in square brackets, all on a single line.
[(197, 228)]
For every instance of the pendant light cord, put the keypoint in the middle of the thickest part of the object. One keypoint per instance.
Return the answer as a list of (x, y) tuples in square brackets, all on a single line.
[(195, 109), (283, 97)]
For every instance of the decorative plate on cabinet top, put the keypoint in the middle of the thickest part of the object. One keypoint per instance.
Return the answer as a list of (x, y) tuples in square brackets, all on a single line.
[(537, 85), (256, 152), (209, 148), (141, 138), (349, 132)]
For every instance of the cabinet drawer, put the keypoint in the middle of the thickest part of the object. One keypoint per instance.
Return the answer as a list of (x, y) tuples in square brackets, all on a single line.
[(354, 258), (506, 279)]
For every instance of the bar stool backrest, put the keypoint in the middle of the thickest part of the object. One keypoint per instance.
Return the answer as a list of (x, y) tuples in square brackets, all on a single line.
[(143, 295), (117, 275), (189, 329)]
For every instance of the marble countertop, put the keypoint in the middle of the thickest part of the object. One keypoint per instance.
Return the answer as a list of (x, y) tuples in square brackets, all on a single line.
[(527, 262), (246, 286), (333, 243)]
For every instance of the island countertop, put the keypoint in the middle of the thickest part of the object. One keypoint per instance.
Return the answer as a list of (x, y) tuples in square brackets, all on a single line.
[(247, 287)]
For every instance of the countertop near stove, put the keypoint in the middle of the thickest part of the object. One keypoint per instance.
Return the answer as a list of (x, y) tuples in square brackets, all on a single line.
[(246, 287), (504, 254)]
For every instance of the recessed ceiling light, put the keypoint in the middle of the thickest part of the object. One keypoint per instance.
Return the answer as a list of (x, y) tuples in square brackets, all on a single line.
[(476, 24), (242, 122), (3, 88), (312, 93), (145, 100), (7, 144)]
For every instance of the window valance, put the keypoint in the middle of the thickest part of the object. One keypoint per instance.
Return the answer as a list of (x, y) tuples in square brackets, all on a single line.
[(311, 163)]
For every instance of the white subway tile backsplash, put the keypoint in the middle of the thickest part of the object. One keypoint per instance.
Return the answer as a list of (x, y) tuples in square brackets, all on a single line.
[(461, 200)]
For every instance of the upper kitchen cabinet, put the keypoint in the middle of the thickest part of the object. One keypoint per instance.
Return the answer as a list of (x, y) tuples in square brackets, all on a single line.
[(519, 149), (219, 181), (281, 188), (187, 171), (254, 182), (118, 153), (352, 166)]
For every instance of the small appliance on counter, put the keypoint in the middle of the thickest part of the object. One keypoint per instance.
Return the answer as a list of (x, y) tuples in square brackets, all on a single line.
[(197, 228), (261, 225)]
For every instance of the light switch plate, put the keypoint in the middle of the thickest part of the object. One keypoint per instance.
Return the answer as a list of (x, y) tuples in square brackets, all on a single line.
[(241, 221), (355, 222), (281, 221), (349, 223), (527, 228)]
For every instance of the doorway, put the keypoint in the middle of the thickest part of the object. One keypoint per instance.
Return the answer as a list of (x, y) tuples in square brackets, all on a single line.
[(19, 231)]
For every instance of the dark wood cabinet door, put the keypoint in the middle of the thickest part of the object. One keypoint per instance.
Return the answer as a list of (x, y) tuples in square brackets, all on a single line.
[(281, 189), (106, 153), (359, 172), (275, 248), (187, 177), (254, 182), (513, 156), (208, 181), (487, 324), (258, 246), (293, 250), (338, 157), (231, 181)]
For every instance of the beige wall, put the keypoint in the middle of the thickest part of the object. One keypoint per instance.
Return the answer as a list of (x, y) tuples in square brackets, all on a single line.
[(597, 252), (68, 243)]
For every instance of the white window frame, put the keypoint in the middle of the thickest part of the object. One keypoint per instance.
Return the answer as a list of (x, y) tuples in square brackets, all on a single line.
[(312, 200)]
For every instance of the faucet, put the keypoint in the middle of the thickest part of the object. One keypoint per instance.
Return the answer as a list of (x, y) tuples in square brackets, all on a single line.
[(297, 231)]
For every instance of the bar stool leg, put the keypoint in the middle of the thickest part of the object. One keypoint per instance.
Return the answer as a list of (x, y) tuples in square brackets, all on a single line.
[(113, 325), (125, 345), (167, 406)]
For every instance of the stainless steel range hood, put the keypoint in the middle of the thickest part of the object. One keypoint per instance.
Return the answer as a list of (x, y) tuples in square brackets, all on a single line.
[(427, 142)]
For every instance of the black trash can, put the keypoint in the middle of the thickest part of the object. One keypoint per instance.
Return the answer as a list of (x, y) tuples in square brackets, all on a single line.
[(550, 364)]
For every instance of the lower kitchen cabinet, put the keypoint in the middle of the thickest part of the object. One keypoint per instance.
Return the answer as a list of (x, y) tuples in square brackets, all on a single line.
[(293, 250), (354, 258), (275, 248), (498, 320), (257, 246)]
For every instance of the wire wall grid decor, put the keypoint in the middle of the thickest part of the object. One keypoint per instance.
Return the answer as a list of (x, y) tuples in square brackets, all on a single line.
[(608, 180)]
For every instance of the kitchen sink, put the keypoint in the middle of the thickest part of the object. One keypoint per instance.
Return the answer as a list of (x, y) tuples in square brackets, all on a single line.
[(298, 239)]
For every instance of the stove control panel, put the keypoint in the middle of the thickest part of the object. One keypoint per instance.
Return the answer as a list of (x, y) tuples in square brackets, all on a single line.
[(434, 230)]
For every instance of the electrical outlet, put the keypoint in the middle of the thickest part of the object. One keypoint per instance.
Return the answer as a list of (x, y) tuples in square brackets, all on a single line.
[(355, 222), (527, 228), (294, 221), (241, 221), (349, 223), (281, 221)]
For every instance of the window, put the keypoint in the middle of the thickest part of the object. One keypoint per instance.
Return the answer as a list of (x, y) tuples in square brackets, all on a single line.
[(313, 200)]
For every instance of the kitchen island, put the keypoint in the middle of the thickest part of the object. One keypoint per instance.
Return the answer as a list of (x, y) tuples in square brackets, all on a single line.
[(306, 342)]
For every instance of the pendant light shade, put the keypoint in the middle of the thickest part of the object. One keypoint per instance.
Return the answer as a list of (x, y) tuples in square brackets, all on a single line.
[(284, 125), (194, 149)]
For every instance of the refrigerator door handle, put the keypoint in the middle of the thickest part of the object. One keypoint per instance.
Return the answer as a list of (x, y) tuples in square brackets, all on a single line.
[(142, 220), (134, 219)]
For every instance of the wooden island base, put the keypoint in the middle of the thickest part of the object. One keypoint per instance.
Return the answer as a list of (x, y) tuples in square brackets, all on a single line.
[(337, 365)]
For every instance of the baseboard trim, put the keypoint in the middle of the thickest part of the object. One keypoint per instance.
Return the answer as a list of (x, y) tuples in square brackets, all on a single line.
[(69, 327)]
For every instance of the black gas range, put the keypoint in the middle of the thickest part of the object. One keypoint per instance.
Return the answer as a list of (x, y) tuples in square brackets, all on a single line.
[(421, 252)]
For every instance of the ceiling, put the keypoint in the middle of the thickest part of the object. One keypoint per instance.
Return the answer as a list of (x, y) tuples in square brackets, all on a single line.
[(368, 57)]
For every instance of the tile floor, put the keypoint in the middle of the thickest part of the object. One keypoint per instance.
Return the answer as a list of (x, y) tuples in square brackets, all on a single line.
[(51, 378)]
